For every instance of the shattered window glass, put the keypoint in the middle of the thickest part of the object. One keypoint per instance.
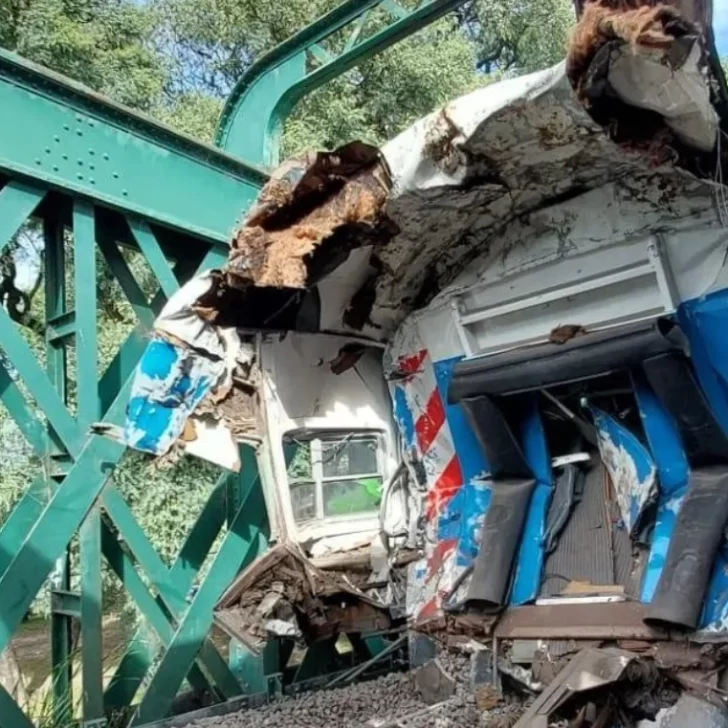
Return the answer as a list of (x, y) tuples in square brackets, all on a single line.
[(349, 457), (298, 460), (303, 502), (333, 476), (300, 480)]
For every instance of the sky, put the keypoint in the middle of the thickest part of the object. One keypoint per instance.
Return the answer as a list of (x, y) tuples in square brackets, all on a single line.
[(720, 26)]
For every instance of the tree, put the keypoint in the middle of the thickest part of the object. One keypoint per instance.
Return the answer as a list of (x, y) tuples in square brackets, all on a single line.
[(105, 44), (516, 36), (215, 41)]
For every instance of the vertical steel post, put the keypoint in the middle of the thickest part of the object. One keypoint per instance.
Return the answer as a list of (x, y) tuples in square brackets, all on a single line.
[(56, 364), (85, 305)]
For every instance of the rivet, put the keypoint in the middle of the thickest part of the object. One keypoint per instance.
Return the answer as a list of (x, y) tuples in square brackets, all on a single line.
[(37, 161), (55, 168), (79, 117), (80, 162), (56, 139), (66, 127), (92, 166), (124, 192), (92, 181), (91, 152), (115, 175), (79, 132), (80, 176), (91, 123), (106, 156), (65, 156), (47, 150)]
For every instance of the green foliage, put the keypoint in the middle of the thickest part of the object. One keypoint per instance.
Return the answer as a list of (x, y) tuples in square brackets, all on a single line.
[(166, 502), (518, 35), (388, 92), (213, 42), (105, 44)]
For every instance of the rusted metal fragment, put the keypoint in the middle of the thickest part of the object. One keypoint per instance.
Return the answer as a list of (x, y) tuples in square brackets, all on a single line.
[(620, 620), (284, 586), (334, 197), (348, 356)]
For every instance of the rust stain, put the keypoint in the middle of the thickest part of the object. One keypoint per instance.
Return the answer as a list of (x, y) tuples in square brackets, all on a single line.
[(308, 201)]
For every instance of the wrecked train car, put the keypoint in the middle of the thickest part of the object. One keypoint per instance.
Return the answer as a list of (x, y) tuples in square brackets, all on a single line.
[(485, 368)]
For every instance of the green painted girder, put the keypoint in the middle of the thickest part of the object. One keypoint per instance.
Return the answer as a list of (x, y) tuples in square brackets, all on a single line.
[(48, 506), (252, 119), (169, 606), (63, 135), (245, 540)]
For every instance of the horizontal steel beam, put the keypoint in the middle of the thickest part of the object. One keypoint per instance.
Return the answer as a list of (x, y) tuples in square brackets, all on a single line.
[(62, 134)]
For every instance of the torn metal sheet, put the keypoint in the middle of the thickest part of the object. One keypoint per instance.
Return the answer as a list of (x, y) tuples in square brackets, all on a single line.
[(588, 670), (335, 198), (634, 57), (676, 91), (568, 489), (185, 389), (673, 470), (169, 383), (630, 466), (456, 486), (619, 620)]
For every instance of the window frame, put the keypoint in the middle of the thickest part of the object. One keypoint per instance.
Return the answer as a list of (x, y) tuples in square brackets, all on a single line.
[(315, 439)]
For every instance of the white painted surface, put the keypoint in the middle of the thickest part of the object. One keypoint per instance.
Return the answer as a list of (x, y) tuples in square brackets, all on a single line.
[(530, 262), (303, 394)]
